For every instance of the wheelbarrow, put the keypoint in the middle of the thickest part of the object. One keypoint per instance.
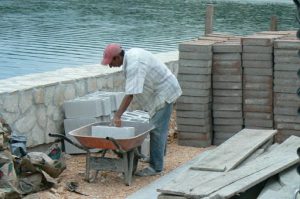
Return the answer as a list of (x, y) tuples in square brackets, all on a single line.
[(127, 150)]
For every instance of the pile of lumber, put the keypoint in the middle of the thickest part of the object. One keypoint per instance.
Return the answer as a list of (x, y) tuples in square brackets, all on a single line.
[(247, 161)]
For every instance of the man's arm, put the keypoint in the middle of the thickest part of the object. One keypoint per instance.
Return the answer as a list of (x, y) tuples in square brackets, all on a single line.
[(124, 105)]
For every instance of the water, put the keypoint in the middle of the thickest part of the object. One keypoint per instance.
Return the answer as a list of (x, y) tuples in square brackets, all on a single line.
[(37, 36)]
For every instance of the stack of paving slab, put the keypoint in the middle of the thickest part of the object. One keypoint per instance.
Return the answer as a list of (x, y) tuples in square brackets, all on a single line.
[(286, 84), (227, 89), (258, 81), (95, 107), (193, 108)]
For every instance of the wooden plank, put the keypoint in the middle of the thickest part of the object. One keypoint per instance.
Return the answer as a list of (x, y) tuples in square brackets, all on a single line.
[(228, 155), (236, 181)]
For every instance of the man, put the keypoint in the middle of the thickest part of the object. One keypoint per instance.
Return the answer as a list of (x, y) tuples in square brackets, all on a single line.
[(154, 87)]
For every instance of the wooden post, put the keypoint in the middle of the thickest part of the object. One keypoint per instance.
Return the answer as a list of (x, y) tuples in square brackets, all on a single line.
[(273, 26), (209, 19)]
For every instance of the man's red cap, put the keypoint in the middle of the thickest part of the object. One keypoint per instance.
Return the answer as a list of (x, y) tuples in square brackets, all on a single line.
[(110, 51)]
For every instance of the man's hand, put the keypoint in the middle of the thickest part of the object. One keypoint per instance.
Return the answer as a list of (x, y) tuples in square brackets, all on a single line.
[(117, 121)]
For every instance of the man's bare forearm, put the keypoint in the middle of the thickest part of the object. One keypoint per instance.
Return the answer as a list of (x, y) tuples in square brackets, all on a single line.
[(124, 105)]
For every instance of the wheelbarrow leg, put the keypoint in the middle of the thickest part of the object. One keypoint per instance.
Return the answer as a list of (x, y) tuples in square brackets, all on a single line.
[(128, 160), (87, 168)]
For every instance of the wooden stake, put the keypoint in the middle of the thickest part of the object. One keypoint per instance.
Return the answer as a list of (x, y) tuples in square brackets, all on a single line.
[(209, 19), (273, 26)]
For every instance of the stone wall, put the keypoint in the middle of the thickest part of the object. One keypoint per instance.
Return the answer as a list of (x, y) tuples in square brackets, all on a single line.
[(32, 104)]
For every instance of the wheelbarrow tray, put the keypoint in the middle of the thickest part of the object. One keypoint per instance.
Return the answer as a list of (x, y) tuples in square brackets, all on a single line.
[(85, 138)]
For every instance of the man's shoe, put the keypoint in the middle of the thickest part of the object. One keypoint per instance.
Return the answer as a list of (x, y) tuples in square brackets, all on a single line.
[(149, 171)]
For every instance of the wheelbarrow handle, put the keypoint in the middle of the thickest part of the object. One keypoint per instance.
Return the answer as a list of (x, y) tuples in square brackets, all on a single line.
[(116, 144), (62, 137)]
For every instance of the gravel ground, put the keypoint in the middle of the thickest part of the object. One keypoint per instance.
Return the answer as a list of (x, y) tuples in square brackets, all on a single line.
[(110, 185)]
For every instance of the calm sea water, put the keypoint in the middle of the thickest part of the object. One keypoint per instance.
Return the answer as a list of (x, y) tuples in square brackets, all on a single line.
[(37, 36)]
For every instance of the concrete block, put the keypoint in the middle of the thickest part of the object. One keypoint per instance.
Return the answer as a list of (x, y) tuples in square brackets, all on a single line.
[(115, 97), (258, 79), (195, 55), (227, 78), (253, 115), (288, 126), (286, 67), (195, 63), (257, 56), (285, 59), (227, 93), (194, 128), (114, 132), (287, 44), (226, 56), (227, 107), (194, 143), (193, 114), (286, 82), (258, 86), (195, 85), (259, 40), (227, 114), (194, 78), (258, 71), (226, 71), (194, 100), (283, 110), (287, 118), (193, 121), (286, 103), (257, 94), (227, 47), (201, 46), (196, 107), (286, 52), (227, 85), (194, 70), (257, 64), (227, 128), (257, 49), (287, 97), (257, 108), (87, 107), (227, 100), (258, 101), (285, 89), (194, 136), (227, 63), (196, 92), (285, 74), (228, 121), (259, 123), (223, 136)]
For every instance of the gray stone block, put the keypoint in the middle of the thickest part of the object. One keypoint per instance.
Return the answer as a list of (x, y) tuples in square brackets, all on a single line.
[(227, 93), (253, 115), (226, 71), (287, 97), (226, 56), (258, 86), (193, 114), (196, 46), (259, 123), (196, 92), (227, 63), (258, 101), (286, 82), (258, 79), (194, 136), (193, 121), (258, 71), (195, 85), (227, 78), (228, 121), (87, 107), (195, 55), (286, 67), (227, 114), (194, 143), (227, 128), (227, 85), (227, 47), (288, 126), (257, 56), (287, 44), (257, 49), (227, 107), (194, 100), (257, 94), (284, 110), (227, 100), (257, 64), (286, 103), (286, 52), (287, 118), (194, 78), (195, 63), (194, 128), (258, 40), (285, 59), (196, 107), (257, 108), (194, 70), (285, 74), (285, 89)]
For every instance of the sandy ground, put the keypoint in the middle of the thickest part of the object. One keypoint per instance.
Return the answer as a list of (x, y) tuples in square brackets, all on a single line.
[(111, 184)]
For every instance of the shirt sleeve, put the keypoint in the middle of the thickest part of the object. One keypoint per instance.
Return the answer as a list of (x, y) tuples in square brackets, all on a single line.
[(135, 78)]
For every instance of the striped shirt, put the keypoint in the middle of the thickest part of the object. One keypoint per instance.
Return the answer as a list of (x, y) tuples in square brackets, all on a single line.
[(149, 80)]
